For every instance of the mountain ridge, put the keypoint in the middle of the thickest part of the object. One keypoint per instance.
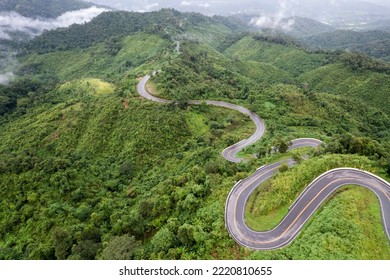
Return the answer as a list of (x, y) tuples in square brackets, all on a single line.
[(43, 8), (375, 43)]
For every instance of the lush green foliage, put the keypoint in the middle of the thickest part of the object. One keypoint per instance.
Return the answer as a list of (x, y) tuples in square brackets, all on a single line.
[(167, 23), (368, 86), (300, 104), (303, 27), (294, 26), (360, 62), (374, 43), (280, 52), (108, 60), (89, 166), (357, 206), (42, 8)]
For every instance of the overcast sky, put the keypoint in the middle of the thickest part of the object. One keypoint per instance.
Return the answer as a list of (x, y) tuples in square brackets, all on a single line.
[(223, 6)]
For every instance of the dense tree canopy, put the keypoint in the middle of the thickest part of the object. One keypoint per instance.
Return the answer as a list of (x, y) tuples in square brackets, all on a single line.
[(42, 8)]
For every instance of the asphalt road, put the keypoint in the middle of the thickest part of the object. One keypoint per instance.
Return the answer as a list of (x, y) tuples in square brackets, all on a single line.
[(304, 206), (230, 153), (301, 210)]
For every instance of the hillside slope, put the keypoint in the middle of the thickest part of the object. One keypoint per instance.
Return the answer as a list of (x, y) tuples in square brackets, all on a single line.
[(42, 8), (167, 23), (374, 43)]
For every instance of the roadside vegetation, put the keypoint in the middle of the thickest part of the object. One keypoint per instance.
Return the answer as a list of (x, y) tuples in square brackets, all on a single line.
[(347, 212)]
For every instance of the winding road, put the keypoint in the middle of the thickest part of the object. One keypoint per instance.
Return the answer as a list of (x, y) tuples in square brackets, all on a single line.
[(304, 206), (230, 153)]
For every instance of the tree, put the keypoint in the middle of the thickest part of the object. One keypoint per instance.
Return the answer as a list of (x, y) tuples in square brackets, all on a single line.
[(185, 234), (62, 241), (85, 250), (182, 104), (121, 248), (283, 168), (388, 166), (127, 169), (262, 151), (297, 157), (163, 240), (282, 145), (4, 103)]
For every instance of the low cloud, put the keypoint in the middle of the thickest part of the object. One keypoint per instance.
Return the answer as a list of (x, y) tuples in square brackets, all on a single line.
[(4, 35), (195, 4), (151, 6), (6, 78), (14, 22), (148, 7), (276, 20)]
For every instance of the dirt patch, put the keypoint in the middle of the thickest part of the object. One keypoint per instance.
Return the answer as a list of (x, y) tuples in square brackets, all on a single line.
[(54, 136), (125, 104)]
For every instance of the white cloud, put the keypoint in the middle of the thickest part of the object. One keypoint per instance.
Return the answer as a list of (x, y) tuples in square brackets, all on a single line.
[(117, 5), (276, 20), (14, 22), (5, 78), (151, 6), (4, 35), (80, 16), (186, 3), (195, 4), (148, 7), (10, 22)]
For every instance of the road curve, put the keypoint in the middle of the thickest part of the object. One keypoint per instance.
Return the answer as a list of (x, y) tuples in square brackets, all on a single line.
[(304, 206), (302, 209), (230, 153)]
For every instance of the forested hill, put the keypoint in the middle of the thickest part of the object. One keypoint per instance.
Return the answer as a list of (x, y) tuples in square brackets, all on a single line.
[(42, 8), (90, 170), (374, 43), (167, 23), (294, 26), (303, 27)]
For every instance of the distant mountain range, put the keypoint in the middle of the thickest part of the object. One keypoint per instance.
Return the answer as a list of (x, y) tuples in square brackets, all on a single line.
[(375, 43), (21, 20), (325, 10), (43, 8), (294, 26), (372, 38), (379, 25), (341, 14)]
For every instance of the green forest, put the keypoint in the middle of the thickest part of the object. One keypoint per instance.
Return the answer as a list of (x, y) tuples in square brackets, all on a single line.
[(375, 43), (90, 170), (42, 8)]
